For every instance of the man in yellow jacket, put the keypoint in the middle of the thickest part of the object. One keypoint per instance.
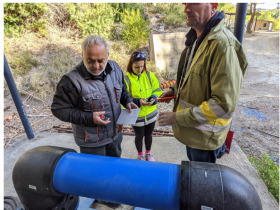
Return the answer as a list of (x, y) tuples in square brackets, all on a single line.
[(209, 79)]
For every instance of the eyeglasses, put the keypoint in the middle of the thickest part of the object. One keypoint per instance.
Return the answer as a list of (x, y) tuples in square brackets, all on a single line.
[(139, 55)]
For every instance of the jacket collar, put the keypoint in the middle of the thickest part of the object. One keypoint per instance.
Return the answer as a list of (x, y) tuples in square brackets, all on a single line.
[(213, 34), (192, 36), (134, 76), (86, 75)]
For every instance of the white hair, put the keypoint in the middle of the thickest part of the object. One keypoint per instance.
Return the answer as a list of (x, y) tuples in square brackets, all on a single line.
[(92, 40)]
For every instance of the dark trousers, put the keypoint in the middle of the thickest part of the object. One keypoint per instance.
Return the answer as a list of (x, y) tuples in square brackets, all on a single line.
[(142, 131), (209, 156), (113, 149)]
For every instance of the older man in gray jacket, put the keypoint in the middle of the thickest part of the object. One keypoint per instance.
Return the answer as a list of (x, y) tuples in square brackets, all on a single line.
[(89, 97)]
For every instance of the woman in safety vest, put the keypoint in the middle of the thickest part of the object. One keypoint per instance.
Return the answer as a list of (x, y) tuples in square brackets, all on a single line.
[(143, 87)]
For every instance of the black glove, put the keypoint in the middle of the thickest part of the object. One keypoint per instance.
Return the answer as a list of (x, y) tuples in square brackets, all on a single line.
[(154, 97), (136, 101)]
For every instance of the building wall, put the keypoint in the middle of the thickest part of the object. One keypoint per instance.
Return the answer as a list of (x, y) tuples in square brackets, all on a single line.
[(260, 24), (165, 49)]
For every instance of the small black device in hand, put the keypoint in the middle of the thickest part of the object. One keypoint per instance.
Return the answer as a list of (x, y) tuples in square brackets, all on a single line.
[(104, 118)]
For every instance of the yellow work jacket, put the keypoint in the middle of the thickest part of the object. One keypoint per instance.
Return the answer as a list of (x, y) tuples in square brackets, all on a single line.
[(144, 86), (210, 90)]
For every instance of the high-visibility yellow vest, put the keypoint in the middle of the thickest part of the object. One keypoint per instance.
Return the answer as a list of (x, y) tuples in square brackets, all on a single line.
[(143, 86)]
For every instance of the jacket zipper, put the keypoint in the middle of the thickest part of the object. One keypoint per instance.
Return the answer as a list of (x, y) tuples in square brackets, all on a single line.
[(145, 108)]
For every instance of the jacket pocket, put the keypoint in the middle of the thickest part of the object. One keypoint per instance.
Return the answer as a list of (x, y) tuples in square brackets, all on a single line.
[(118, 92), (92, 102), (197, 81), (95, 134)]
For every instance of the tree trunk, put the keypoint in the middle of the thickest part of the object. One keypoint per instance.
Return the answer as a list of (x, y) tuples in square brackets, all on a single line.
[(252, 13)]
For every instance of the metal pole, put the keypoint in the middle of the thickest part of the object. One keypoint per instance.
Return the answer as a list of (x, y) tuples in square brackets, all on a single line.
[(17, 100), (241, 11)]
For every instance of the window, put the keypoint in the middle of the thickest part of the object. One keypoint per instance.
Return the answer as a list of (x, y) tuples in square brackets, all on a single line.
[(264, 25)]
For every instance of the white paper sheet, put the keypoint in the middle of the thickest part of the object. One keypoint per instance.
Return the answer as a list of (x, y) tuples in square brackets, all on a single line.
[(128, 118)]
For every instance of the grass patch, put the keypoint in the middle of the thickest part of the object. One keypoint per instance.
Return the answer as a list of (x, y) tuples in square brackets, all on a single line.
[(22, 62), (43, 80), (269, 172)]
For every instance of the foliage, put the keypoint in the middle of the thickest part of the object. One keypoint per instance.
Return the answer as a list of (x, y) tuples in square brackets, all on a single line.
[(172, 20), (21, 16), (22, 62), (92, 18), (226, 7), (160, 8), (120, 7), (275, 25), (275, 13), (266, 16), (135, 30), (269, 172), (173, 13)]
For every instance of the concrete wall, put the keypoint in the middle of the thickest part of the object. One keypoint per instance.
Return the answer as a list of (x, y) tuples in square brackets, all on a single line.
[(165, 49)]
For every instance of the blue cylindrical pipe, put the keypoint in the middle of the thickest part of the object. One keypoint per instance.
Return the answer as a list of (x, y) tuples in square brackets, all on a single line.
[(151, 185), (241, 11), (17, 100)]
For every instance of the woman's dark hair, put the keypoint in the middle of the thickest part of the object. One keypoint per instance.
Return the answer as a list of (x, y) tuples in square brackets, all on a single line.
[(136, 56)]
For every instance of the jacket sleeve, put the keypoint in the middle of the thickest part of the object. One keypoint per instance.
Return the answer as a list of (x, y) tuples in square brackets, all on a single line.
[(225, 79), (125, 97), (157, 91), (64, 104)]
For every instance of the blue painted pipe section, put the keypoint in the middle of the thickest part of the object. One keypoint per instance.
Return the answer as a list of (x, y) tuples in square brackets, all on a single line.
[(17, 100), (151, 185), (241, 11)]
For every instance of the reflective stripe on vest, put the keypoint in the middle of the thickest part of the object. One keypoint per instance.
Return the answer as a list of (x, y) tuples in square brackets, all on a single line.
[(148, 116), (129, 85)]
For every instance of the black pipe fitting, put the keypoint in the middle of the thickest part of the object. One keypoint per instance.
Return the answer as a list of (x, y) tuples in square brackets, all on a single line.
[(211, 186), (33, 180)]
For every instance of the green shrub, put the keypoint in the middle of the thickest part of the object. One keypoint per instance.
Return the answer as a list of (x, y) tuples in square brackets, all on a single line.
[(275, 25), (120, 7), (173, 13), (22, 62), (172, 20), (161, 8), (92, 18), (135, 30), (19, 17), (269, 172)]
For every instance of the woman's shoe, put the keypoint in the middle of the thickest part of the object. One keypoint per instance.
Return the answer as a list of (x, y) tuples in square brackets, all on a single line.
[(149, 157), (141, 157)]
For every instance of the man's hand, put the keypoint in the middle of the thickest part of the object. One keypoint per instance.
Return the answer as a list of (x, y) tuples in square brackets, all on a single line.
[(167, 118), (131, 105), (97, 120), (168, 93)]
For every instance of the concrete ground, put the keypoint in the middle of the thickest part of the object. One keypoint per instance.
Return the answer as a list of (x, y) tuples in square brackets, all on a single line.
[(164, 149)]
